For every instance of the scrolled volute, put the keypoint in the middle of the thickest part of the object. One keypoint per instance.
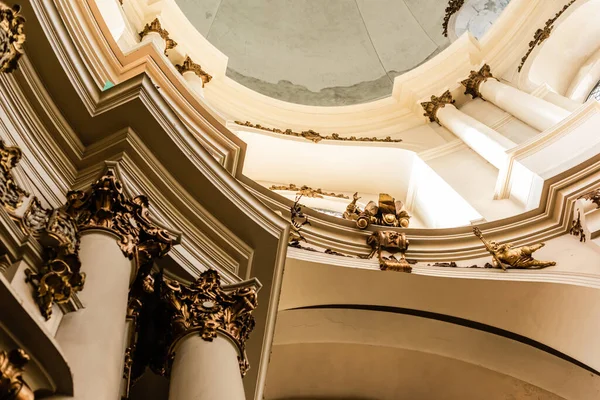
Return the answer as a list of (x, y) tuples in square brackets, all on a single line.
[(106, 207), (205, 307)]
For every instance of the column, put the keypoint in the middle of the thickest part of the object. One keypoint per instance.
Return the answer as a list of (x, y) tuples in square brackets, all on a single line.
[(206, 370), (206, 337), (485, 141), (93, 338), (532, 110)]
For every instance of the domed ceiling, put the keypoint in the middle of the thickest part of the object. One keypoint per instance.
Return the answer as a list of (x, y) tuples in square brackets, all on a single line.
[(334, 52)]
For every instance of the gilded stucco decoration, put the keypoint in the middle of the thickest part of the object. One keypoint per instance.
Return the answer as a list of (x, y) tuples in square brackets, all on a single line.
[(12, 385), (297, 220), (307, 191), (12, 37), (394, 243), (206, 308), (475, 79), (452, 8), (155, 26), (316, 137), (506, 256), (593, 196), (431, 107), (542, 34), (105, 206), (189, 65), (11, 194), (387, 212), (577, 228)]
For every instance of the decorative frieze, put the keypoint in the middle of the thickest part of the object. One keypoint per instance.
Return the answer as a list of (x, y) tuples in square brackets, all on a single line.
[(12, 385), (475, 79), (155, 26), (190, 66), (206, 308), (307, 191), (12, 37), (387, 212), (431, 107), (542, 34), (316, 137), (506, 256), (452, 8)]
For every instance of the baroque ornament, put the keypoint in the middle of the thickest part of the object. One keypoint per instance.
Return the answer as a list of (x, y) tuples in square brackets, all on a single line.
[(189, 65), (543, 33), (387, 212), (431, 107), (155, 26), (307, 191), (393, 242), (593, 196), (106, 207), (316, 137), (475, 79), (577, 228), (206, 308), (452, 8), (11, 195), (12, 37), (12, 385), (506, 256), (297, 219)]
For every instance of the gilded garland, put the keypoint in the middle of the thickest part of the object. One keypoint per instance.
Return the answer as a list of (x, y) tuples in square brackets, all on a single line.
[(155, 26), (12, 37), (452, 8), (542, 34), (316, 137), (307, 191)]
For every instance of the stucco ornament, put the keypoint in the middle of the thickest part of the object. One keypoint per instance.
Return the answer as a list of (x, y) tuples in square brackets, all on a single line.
[(506, 256), (387, 212), (12, 385), (12, 37), (393, 242), (431, 107)]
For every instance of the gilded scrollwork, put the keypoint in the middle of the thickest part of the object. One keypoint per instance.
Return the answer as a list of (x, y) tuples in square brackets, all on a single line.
[(475, 79), (316, 137), (307, 191), (297, 220), (11, 194), (542, 34), (387, 212), (506, 256), (12, 37), (431, 107), (206, 308), (156, 27), (189, 65), (12, 384), (577, 228), (393, 242), (452, 8), (593, 196)]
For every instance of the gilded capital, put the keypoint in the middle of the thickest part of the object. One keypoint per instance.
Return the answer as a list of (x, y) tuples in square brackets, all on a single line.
[(12, 385), (12, 37), (206, 308), (156, 27), (431, 107), (11, 195), (475, 79), (105, 206), (189, 65)]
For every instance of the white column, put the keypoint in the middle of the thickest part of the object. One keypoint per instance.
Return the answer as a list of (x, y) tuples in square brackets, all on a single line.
[(485, 141), (93, 339), (532, 110), (204, 370), (154, 37)]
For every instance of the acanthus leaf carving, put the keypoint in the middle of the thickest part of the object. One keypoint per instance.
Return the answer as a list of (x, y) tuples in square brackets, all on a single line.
[(12, 37)]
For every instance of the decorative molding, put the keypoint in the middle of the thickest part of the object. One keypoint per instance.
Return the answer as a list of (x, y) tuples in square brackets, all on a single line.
[(475, 79), (12, 37), (12, 385), (205, 307), (189, 65), (316, 137), (542, 34), (452, 8), (431, 107), (155, 26), (307, 191)]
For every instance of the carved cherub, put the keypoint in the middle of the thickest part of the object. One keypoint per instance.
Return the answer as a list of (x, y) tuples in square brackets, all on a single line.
[(505, 256)]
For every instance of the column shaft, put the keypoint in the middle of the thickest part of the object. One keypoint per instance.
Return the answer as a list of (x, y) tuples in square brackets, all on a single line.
[(93, 339), (532, 110), (205, 370), (485, 141)]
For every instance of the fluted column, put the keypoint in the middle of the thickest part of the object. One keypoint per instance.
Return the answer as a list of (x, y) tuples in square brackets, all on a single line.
[(485, 141), (532, 110), (208, 326)]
